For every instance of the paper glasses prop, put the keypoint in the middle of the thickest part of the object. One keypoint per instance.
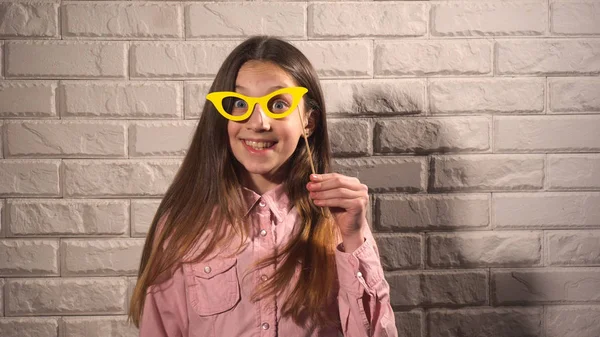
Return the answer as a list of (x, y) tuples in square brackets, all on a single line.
[(278, 104)]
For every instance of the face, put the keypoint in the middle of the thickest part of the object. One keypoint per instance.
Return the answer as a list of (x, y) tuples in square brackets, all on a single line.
[(262, 144)]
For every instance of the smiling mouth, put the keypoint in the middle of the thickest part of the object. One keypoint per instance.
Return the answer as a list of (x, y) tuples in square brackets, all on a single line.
[(258, 145)]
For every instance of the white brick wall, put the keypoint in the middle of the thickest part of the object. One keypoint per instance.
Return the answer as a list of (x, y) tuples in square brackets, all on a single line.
[(479, 139)]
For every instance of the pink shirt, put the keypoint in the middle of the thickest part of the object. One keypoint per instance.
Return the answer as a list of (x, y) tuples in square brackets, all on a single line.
[(212, 298)]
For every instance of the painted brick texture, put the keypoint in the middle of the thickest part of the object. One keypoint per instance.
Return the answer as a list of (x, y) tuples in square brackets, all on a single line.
[(475, 125)]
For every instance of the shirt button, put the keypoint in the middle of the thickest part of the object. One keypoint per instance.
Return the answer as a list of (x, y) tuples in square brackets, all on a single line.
[(262, 204), (264, 277), (263, 233), (359, 274), (265, 326), (207, 269)]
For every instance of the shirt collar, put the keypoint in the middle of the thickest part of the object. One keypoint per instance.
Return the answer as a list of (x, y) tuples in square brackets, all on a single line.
[(276, 199)]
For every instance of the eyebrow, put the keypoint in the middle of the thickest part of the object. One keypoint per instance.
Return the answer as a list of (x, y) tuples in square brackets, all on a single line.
[(237, 86)]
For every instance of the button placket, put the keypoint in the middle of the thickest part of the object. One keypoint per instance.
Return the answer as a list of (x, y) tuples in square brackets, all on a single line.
[(267, 312)]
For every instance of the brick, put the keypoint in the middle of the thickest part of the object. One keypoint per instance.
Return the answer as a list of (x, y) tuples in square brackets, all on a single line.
[(547, 57), (546, 210), (522, 1), (550, 285), (438, 288), (63, 296), (128, 100), (101, 257), (118, 177), (2, 217), (169, 138), (28, 99), (399, 251), (408, 323), (29, 177), (2, 282), (219, 20), (23, 19), (66, 59), (432, 57), (386, 96), (370, 218), (488, 172), (485, 321), (426, 135), (489, 19), (577, 171), (142, 214), (474, 95), (583, 321), (29, 326), (578, 18), (131, 282), (367, 19), (107, 326), (546, 133), (122, 20), (198, 59), (574, 94), (386, 174), (484, 249), (573, 248), (423, 212), (66, 217), (195, 97), (343, 137), (65, 139), (27, 257), (339, 59)]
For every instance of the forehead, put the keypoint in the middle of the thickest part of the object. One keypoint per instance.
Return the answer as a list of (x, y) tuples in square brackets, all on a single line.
[(260, 76)]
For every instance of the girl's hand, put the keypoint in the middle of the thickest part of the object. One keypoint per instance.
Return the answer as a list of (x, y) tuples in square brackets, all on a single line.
[(347, 200)]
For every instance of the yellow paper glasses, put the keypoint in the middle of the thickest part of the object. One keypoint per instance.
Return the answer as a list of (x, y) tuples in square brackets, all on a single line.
[(237, 107)]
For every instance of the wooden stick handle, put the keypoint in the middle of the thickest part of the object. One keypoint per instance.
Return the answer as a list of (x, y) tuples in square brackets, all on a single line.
[(324, 212)]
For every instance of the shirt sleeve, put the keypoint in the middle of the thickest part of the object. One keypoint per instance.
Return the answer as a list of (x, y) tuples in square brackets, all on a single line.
[(364, 295), (165, 309)]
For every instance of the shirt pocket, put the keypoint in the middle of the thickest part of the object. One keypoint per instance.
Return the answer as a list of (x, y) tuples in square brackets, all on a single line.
[(212, 286)]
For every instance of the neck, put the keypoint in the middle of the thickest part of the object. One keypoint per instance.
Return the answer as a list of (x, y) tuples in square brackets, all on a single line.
[(260, 183)]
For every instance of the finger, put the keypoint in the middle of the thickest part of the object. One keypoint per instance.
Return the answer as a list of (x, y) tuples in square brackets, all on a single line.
[(329, 176), (322, 176), (339, 202), (321, 187), (342, 193), (336, 180)]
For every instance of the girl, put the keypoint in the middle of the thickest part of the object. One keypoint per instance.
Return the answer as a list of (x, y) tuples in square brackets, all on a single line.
[(246, 241)]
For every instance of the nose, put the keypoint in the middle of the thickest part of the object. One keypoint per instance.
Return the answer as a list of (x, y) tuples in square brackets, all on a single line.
[(258, 120)]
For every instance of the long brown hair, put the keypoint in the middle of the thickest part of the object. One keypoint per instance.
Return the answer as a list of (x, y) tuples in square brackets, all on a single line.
[(206, 194)]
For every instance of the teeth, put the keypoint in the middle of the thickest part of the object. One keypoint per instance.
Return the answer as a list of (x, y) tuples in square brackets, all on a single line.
[(259, 145)]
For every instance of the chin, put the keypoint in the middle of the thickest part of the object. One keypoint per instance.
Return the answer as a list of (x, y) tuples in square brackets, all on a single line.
[(259, 169)]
